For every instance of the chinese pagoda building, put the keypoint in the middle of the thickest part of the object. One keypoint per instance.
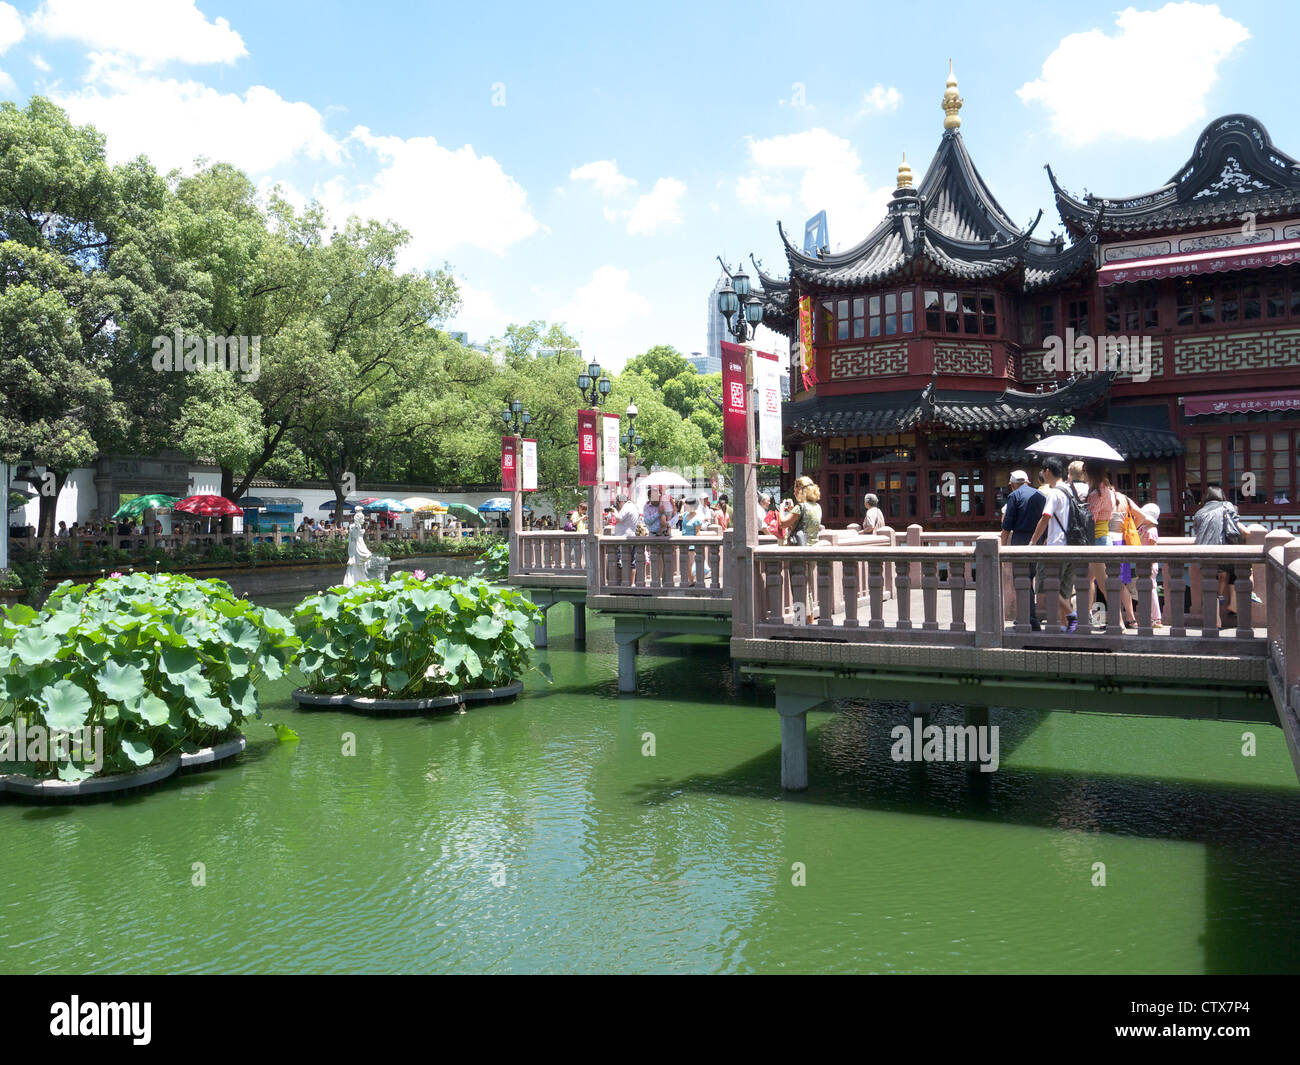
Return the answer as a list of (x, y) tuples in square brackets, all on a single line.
[(921, 365)]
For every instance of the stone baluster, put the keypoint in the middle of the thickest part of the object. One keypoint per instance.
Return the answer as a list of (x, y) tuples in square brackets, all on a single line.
[(849, 578), (1145, 585), (957, 589), (875, 590), (929, 593), (825, 594), (1209, 600), (1175, 597), (1114, 607)]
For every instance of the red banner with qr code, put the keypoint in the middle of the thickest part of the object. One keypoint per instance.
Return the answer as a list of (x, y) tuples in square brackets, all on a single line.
[(735, 405), (588, 449), (509, 464)]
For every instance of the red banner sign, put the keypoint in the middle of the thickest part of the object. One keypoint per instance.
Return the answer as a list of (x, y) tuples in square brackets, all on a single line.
[(509, 464), (735, 405), (588, 449)]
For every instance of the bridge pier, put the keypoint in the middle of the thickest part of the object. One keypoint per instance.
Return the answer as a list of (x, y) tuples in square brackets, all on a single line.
[(539, 630), (793, 708), (626, 659), (579, 623), (922, 710)]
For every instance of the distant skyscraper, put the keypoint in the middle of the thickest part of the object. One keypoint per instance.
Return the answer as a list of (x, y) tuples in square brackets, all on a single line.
[(815, 236), (705, 363), (717, 332)]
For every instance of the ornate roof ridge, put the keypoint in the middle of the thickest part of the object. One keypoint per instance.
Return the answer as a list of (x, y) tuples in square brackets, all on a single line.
[(1234, 164)]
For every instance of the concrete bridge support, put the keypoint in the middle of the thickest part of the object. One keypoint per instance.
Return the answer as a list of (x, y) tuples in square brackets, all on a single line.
[(626, 640), (539, 630), (579, 623), (793, 708)]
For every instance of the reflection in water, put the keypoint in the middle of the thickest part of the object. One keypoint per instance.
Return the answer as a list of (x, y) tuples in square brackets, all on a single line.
[(536, 836)]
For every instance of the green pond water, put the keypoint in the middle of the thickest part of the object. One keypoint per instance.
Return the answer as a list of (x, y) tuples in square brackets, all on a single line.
[(536, 836)]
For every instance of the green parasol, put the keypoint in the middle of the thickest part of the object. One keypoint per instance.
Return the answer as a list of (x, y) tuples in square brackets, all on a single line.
[(133, 508), (464, 510)]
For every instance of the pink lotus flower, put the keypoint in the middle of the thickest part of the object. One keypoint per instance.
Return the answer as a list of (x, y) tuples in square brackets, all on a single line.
[(116, 573), (419, 574)]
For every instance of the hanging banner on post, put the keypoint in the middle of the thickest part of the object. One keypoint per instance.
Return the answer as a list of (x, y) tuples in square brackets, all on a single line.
[(588, 450), (530, 466), (509, 457), (767, 380), (735, 405), (611, 449)]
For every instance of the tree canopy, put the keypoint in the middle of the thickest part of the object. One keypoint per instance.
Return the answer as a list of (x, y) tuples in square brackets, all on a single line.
[(114, 278)]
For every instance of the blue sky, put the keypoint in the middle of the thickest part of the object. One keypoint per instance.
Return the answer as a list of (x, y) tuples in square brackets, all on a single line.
[(586, 162)]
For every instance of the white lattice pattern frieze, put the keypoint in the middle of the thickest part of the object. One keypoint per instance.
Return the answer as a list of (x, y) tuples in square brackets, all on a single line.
[(1032, 368), (1156, 369), (1237, 352), (960, 357), (878, 360)]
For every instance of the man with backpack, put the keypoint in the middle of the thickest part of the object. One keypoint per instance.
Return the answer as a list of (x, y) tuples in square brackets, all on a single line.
[(1066, 522)]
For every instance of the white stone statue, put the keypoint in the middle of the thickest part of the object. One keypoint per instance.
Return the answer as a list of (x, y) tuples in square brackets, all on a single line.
[(358, 553)]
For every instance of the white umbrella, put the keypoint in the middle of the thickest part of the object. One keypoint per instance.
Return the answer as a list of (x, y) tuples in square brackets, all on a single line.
[(1076, 447)]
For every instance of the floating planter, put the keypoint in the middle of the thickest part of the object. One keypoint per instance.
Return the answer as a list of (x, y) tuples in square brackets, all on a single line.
[(367, 704), (414, 644), (117, 685)]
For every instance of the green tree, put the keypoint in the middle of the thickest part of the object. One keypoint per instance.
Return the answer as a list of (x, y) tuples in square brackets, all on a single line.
[(72, 271), (684, 390)]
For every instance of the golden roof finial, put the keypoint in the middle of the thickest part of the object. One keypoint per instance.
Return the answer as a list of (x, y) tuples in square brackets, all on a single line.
[(951, 102), (904, 174)]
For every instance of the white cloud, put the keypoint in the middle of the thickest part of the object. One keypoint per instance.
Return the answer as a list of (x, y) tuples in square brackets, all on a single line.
[(153, 31), (40, 64), (754, 190), (479, 314), (174, 122), (446, 198), (11, 27), (1146, 82), (881, 99), (818, 171), (11, 32), (659, 208), (599, 312), (605, 176)]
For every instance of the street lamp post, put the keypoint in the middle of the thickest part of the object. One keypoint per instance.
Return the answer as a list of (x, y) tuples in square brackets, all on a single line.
[(736, 300), (516, 418), (595, 386), (632, 440)]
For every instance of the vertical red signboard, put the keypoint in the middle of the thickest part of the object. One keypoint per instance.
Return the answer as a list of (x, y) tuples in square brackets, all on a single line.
[(735, 405), (588, 449), (509, 464)]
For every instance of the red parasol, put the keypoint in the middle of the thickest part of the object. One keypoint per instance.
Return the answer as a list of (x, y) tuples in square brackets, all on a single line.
[(209, 506)]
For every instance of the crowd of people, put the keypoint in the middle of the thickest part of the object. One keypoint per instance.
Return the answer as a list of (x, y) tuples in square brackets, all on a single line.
[(1042, 516)]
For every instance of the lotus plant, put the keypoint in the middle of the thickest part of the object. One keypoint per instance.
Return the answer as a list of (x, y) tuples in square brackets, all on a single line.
[(160, 662), (408, 637)]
